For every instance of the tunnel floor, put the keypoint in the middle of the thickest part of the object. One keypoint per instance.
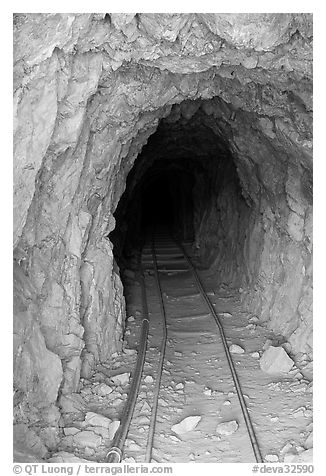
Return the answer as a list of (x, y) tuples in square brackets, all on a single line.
[(196, 380)]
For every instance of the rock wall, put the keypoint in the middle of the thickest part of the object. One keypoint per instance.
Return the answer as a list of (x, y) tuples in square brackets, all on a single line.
[(90, 89)]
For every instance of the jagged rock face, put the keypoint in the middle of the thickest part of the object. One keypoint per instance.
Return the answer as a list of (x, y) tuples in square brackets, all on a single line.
[(230, 96)]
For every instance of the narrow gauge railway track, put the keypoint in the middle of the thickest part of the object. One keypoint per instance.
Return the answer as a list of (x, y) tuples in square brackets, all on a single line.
[(167, 256)]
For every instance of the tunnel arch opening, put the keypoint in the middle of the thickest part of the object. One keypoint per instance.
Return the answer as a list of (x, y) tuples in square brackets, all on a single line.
[(176, 181)]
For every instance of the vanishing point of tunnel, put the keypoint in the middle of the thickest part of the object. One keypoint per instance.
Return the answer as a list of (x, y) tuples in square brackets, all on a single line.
[(184, 135)]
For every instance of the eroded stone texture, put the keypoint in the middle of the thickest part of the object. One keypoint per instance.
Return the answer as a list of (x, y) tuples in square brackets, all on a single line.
[(90, 90)]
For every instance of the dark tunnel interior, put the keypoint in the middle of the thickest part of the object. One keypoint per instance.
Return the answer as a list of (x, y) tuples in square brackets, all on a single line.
[(175, 183)]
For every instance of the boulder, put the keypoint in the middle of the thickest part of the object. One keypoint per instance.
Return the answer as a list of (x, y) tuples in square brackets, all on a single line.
[(187, 424), (275, 361)]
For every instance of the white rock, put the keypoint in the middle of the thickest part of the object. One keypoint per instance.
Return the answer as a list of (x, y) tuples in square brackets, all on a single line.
[(87, 439), (131, 319), (188, 424), (274, 418), (227, 402), (208, 392), (174, 438), (236, 349), (286, 448), (94, 419), (255, 355), (225, 314), (271, 458), (71, 430), (179, 386), (309, 441), (145, 408), (227, 428), (177, 353), (129, 459), (149, 379), (113, 427), (102, 390), (121, 379), (275, 361)]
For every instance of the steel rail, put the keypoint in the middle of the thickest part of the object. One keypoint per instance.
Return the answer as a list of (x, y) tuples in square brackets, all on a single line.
[(115, 452), (151, 432), (250, 429)]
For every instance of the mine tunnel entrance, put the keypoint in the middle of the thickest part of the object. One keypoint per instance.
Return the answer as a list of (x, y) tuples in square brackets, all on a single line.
[(184, 180)]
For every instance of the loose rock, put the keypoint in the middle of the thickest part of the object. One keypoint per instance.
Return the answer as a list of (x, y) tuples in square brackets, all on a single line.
[(149, 379), (121, 379), (94, 419), (102, 390), (275, 361), (113, 428), (271, 458), (70, 430), (188, 424), (236, 349), (227, 428)]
